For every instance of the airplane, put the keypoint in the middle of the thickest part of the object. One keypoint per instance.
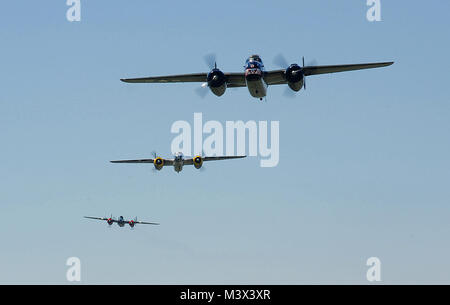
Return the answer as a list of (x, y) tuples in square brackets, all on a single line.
[(255, 77), (121, 221), (178, 161)]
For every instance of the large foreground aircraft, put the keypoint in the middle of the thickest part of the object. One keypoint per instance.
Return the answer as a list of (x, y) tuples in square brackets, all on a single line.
[(255, 77), (121, 221), (178, 161)]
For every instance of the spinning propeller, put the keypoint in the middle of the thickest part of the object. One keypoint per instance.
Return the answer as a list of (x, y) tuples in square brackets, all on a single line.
[(211, 61), (281, 62)]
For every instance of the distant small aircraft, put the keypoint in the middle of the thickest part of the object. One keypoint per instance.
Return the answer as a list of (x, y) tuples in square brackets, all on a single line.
[(122, 222), (254, 77), (178, 161)]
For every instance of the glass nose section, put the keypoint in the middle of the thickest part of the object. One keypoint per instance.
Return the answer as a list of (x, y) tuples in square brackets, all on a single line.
[(252, 65)]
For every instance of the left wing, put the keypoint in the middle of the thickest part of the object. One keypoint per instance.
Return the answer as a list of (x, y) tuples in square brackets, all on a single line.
[(233, 79), (181, 78), (190, 161), (277, 77), (166, 161), (134, 161), (98, 218)]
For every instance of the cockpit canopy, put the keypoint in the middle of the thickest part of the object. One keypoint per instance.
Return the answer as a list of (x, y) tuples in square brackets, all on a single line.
[(179, 156), (254, 58), (254, 62)]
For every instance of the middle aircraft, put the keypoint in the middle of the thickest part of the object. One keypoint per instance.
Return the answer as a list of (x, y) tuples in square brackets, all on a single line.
[(178, 161), (255, 77)]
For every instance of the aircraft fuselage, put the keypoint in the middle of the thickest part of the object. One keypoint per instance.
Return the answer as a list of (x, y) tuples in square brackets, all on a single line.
[(178, 162), (254, 77), (121, 222)]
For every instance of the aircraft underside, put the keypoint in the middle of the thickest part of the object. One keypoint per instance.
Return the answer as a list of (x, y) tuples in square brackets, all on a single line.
[(257, 87), (178, 166)]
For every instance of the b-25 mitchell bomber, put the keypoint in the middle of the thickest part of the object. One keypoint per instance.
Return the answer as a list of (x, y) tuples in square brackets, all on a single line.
[(121, 221), (255, 77), (178, 161)]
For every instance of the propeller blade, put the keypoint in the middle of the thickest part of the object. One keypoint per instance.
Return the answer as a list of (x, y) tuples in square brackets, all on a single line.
[(202, 91), (154, 155), (210, 60), (280, 61), (312, 63)]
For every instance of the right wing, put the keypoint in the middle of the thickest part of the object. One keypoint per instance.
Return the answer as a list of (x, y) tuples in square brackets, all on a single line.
[(146, 223), (222, 158), (190, 161), (277, 77), (315, 70), (233, 79), (166, 161)]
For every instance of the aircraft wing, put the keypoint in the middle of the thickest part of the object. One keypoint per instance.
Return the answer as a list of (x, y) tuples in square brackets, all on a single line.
[(134, 161), (191, 160), (233, 79), (98, 218), (277, 77), (315, 70), (181, 78), (166, 161), (146, 223)]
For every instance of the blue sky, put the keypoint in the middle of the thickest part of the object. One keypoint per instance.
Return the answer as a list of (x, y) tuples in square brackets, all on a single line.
[(364, 156)]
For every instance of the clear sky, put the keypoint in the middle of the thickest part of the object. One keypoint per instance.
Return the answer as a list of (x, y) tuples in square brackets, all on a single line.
[(364, 156)]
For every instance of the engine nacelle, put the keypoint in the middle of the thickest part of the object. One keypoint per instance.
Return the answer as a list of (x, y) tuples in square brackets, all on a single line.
[(109, 221), (131, 223), (217, 82), (198, 162), (295, 77), (158, 163)]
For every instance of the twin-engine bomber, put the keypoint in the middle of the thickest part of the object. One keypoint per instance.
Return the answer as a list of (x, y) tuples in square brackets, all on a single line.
[(121, 222), (255, 77), (178, 161)]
